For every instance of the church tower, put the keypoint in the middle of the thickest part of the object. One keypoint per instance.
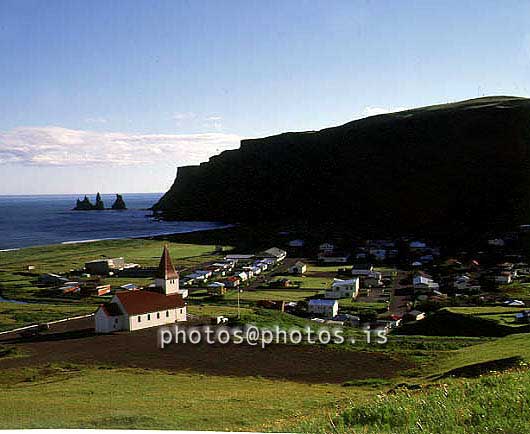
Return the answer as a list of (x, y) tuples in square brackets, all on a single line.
[(167, 278)]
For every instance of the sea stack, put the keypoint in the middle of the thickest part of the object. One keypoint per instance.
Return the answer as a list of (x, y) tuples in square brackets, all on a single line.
[(119, 203)]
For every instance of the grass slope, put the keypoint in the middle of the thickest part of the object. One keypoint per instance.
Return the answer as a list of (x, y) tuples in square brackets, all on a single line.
[(71, 397), (493, 404)]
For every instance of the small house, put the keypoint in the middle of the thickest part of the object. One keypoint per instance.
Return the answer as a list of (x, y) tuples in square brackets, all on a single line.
[(333, 258), (298, 268), (414, 315), (296, 243), (326, 308), (216, 288), (233, 282), (326, 248), (361, 269), (343, 289), (278, 255), (130, 287), (423, 282)]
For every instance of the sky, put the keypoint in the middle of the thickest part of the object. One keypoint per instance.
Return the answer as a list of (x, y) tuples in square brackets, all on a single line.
[(113, 96)]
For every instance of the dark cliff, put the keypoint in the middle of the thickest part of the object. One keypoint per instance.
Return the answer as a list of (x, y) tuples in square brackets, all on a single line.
[(462, 166)]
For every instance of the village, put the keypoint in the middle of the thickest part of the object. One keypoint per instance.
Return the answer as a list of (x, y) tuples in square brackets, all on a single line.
[(385, 284)]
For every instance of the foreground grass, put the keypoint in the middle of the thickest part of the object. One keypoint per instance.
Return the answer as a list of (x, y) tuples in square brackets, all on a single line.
[(497, 403), (71, 397), (18, 315)]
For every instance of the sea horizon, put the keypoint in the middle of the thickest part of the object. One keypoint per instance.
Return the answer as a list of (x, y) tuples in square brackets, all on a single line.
[(48, 219)]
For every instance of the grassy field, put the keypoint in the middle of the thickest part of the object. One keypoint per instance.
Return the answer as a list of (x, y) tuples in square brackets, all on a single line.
[(287, 295), (502, 315), (517, 345), (17, 283), (72, 397), (496, 403), (308, 281), (68, 396), (17, 315)]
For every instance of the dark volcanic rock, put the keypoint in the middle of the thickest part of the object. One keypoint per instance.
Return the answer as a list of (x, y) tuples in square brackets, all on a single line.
[(84, 205), (119, 203), (451, 168)]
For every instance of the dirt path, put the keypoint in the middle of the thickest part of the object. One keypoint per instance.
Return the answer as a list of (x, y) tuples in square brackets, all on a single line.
[(302, 363)]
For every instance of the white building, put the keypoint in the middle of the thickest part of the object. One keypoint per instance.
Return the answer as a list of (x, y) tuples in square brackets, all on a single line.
[(326, 308), (343, 288), (422, 282), (333, 258), (135, 310), (326, 248), (362, 269), (278, 255), (296, 243), (298, 268)]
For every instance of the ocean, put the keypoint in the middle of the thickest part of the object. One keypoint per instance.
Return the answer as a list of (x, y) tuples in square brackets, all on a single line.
[(48, 219)]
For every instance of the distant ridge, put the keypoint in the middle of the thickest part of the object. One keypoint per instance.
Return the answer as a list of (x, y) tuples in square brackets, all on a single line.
[(461, 166)]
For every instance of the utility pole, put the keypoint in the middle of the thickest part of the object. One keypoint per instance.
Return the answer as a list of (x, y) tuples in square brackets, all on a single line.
[(238, 305)]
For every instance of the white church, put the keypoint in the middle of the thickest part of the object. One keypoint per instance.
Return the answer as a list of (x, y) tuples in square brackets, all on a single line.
[(135, 310)]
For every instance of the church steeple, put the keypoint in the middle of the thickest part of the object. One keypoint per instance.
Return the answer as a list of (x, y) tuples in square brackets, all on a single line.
[(166, 277), (166, 270)]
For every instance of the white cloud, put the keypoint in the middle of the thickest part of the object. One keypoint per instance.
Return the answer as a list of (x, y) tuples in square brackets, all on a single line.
[(373, 111), (57, 146)]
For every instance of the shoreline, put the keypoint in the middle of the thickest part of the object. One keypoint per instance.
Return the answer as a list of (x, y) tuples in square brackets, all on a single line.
[(95, 240)]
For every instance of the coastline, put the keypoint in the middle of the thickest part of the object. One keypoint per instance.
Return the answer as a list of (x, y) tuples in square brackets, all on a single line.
[(149, 236)]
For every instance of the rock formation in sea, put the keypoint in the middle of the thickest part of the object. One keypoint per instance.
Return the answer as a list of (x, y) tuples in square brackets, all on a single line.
[(119, 203)]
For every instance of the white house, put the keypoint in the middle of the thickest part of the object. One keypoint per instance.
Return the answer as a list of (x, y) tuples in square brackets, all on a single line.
[(333, 258), (504, 278), (373, 278), (298, 268), (422, 282), (296, 243), (497, 242), (135, 310), (274, 253), (361, 269), (327, 308), (343, 288), (414, 315), (326, 248)]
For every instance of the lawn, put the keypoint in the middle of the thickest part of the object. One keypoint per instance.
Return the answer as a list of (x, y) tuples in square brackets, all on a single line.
[(212, 310), (292, 295), (17, 315), (72, 397), (308, 282)]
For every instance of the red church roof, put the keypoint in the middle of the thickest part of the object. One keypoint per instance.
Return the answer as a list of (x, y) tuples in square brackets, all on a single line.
[(139, 302), (166, 270)]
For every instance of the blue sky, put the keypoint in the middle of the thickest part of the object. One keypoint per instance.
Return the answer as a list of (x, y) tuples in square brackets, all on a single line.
[(115, 95)]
